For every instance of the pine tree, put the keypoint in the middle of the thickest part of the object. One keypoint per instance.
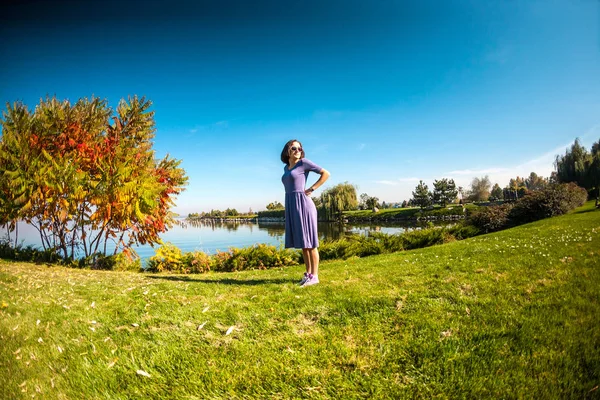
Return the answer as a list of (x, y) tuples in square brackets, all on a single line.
[(421, 195), (497, 193), (444, 191)]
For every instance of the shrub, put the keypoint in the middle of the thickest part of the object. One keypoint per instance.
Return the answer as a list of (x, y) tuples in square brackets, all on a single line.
[(196, 262), (492, 218), (167, 258), (271, 214), (126, 261), (422, 238), (552, 201), (28, 253), (363, 246), (333, 249), (391, 243), (259, 256), (464, 231)]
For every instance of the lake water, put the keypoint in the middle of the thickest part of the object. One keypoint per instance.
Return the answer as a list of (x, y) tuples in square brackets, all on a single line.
[(210, 236)]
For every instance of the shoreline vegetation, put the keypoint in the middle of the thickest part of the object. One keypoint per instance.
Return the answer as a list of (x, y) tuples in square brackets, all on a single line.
[(511, 313), (451, 212), (553, 201)]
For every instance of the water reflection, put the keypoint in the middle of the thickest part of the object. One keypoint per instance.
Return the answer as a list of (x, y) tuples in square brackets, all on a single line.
[(214, 235), (335, 231)]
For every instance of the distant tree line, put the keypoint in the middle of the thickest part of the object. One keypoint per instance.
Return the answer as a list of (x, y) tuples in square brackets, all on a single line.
[(229, 212)]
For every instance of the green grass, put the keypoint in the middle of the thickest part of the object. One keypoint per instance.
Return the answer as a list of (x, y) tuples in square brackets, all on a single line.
[(514, 314)]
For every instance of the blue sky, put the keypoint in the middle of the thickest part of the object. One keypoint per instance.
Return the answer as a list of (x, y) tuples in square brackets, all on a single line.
[(380, 93)]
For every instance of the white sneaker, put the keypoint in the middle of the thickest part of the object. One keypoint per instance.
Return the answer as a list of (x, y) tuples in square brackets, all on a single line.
[(311, 281), (304, 279)]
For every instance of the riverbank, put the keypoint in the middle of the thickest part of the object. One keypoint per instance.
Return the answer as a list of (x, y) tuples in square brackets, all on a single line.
[(451, 212), (510, 314)]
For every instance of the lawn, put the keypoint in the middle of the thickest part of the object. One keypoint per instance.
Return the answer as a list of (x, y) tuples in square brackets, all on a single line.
[(514, 314)]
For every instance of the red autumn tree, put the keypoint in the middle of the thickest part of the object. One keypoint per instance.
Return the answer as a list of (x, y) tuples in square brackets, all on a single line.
[(84, 175)]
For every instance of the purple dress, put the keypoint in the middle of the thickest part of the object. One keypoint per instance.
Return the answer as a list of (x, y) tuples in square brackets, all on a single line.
[(300, 211)]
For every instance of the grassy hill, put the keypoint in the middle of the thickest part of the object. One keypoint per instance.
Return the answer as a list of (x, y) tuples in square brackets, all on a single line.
[(513, 314)]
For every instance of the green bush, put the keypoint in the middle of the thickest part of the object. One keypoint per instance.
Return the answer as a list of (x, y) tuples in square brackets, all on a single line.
[(333, 249), (492, 218), (463, 231), (272, 214), (423, 238), (28, 253), (259, 256), (550, 202), (391, 243)]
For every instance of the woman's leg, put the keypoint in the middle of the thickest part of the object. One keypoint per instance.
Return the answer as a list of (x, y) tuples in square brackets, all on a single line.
[(314, 261), (306, 254)]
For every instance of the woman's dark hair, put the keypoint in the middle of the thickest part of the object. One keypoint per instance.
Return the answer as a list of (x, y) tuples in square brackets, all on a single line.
[(285, 153)]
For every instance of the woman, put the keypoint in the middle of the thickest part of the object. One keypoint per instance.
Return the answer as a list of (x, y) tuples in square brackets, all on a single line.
[(300, 211)]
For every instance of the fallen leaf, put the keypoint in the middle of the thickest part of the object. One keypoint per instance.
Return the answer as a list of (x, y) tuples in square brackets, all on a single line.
[(201, 326), (229, 330), (17, 352), (60, 350), (205, 309), (143, 373), (93, 304), (468, 311), (113, 362), (135, 325), (37, 322), (447, 333), (40, 340)]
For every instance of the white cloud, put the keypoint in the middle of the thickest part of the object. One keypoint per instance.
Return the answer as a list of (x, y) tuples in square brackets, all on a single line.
[(391, 183), (361, 146)]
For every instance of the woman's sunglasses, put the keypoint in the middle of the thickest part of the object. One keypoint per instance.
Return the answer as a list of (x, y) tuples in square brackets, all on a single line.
[(294, 148)]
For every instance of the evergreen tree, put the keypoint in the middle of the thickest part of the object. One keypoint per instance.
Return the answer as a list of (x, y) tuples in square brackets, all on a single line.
[(535, 182), (444, 191), (421, 195), (497, 193)]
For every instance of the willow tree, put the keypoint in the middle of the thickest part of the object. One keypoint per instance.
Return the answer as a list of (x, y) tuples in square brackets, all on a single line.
[(335, 200), (85, 175)]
